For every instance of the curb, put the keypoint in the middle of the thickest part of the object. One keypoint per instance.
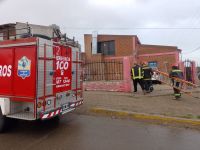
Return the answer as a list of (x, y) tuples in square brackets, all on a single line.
[(142, 116)]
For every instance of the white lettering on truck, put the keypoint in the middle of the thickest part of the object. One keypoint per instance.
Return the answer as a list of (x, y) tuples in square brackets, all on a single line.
[(5, 71), (62, 63)]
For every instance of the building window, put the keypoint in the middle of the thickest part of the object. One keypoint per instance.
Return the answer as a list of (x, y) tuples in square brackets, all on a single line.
[(106, 48), (153, 64)]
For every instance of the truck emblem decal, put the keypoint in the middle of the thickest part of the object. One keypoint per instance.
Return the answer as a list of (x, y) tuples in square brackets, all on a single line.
[(24, 67)]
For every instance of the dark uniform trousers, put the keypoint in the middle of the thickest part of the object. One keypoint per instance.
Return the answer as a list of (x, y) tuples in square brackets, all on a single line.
[(147, 84), (177, 74), (177, 92), (147, 77), (135, 82)]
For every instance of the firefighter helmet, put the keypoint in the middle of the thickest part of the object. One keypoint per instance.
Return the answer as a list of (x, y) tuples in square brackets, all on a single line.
[(175, 65)]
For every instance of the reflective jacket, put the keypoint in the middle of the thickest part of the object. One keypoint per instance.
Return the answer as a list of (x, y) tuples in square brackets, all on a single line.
[(137, 72), (177, 73), (148, 72)]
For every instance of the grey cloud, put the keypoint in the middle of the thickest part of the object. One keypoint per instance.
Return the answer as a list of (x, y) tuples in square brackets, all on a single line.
[(1, 1), (77, 17)]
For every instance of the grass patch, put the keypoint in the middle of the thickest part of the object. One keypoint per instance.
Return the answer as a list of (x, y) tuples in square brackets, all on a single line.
[(189, 116)]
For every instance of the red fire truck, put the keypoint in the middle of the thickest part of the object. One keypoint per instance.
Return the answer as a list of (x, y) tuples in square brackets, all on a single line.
[(39, 78)]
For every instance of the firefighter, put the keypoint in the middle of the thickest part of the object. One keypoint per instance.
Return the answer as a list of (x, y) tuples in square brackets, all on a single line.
[(176, 73), (137, 77), (148, 72)]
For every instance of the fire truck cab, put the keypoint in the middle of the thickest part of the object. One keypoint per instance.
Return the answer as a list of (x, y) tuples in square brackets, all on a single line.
[(39, 78)]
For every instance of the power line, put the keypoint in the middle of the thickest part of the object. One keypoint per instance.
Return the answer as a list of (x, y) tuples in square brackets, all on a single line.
[(194, 50), (194, 19), (132, 28)]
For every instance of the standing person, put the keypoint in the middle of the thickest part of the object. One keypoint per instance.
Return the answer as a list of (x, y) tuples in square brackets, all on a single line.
[(137, 77), (176, 73), (148, 72)]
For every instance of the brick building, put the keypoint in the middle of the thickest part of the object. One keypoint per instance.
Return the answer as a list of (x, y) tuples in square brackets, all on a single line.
[(120, 46), (125, 49), (111, 46)]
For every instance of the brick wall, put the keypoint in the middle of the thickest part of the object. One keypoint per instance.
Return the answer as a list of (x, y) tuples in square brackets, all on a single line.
[(125, 45), (165, 56), (151, 49), (164, 61)]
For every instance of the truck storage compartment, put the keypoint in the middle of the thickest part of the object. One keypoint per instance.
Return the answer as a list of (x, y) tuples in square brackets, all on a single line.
[(18, 76), (22, 110), (18, 72)]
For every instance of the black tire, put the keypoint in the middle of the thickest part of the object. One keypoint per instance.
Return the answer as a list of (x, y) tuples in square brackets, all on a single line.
[(56, 118), (2, 122), (177, 97), (151, 89)]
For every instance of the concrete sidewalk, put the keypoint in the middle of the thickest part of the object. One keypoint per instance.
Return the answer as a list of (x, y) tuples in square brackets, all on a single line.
[(160, 102)]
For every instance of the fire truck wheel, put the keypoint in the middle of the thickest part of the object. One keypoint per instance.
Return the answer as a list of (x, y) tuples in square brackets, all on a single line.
[(56, 118), (2, 122)]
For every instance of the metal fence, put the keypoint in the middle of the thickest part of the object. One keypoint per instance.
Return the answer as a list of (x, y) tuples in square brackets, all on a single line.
[(198, 73), (107, 70), (188, 70)]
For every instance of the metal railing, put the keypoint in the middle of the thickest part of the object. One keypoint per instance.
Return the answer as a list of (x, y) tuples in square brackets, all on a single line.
[(198, 74), (12, 31), (107, 70)]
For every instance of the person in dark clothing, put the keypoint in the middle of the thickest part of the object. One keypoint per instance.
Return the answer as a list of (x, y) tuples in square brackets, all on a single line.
[(176, 73), (137, 77), (148, 72)]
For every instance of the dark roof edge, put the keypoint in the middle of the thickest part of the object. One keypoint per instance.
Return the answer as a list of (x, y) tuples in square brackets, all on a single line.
[(7, 25)]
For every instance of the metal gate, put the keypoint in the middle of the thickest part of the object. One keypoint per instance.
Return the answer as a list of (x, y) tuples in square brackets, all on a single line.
[(190, 70), (198, 73), (106, 70)]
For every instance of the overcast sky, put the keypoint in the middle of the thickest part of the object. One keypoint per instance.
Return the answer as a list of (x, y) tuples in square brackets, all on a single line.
[(159, 22)]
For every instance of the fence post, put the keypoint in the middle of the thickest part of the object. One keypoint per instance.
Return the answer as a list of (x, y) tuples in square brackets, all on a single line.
[(194, 72), (126, 74)]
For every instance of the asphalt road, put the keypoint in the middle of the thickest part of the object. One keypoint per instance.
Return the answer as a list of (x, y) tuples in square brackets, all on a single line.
[(79, 132)]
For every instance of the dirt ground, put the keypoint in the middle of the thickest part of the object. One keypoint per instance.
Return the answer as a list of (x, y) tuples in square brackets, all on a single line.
[(160, 102)]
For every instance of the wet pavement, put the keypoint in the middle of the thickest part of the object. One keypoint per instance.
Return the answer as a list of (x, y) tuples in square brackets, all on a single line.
[(81, 132)]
